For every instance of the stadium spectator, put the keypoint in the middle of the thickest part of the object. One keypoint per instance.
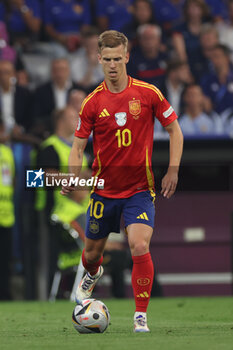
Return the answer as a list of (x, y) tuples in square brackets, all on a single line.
[(225, 29), (23, 20), (52, 157), (113, 14), (6, 51), (16, 119), (218, 84), (15, 100), (147, 61), (177, 76), (208, 39), (23, 78), (218, 9), (7, 216), (63, 22), (186, 37), (168, 13), (142, 12), (76, 98), (195, 121), (85, 68), (52, 95)]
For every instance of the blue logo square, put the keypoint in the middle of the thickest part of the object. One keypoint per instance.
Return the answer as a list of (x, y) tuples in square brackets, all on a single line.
[(35, 178)]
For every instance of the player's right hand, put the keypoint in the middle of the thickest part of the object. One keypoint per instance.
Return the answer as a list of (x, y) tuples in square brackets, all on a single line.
[(169, 183)]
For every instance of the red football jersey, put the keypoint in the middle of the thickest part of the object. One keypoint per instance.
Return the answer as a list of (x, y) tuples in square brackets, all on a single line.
[(123, 127)]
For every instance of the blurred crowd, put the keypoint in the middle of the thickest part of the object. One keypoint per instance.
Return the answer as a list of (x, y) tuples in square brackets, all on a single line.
[(49, 64)]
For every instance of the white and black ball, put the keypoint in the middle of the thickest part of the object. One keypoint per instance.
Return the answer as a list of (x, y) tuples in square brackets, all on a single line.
[(91, 316)]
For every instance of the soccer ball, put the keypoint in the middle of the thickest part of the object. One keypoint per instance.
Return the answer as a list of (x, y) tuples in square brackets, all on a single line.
[(91, 316)]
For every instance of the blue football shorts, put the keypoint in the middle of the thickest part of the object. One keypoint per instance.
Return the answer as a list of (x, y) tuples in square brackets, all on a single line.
[(104, 214)]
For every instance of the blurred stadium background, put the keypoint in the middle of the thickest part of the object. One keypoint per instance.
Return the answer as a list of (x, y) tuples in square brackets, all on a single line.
[(48, 53)]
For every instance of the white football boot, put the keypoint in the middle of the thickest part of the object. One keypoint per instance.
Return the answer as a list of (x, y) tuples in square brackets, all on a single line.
[(87, 285), (140, 323)]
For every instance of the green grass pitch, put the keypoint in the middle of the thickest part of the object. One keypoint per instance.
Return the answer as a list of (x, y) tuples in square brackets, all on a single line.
[(175, 323)]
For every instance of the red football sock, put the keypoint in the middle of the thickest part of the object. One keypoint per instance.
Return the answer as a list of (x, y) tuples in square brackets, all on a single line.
[(142, 280), (92, 268)]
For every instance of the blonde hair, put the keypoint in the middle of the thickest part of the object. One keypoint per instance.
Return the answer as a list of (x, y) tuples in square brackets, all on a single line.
[(112, 38)]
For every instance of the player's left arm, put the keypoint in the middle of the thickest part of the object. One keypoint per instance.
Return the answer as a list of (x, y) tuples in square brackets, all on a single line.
[(169, 181)]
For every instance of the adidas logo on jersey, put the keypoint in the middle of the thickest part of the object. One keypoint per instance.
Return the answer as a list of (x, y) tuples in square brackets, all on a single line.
[(143, 295), (143, 216), (104, 113)]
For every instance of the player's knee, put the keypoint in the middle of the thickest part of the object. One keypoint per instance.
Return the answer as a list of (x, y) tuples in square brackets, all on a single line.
[(92, 256), (139, 248)]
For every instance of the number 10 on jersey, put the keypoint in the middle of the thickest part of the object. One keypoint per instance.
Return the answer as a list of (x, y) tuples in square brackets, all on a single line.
[(124, 137)]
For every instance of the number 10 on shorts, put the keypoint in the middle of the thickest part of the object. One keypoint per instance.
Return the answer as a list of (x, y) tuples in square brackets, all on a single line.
[(96, 209)]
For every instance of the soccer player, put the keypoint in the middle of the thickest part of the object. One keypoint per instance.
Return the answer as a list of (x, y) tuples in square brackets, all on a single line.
[(121, 112)]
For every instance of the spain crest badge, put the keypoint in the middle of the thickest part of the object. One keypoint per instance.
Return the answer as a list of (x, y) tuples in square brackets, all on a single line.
[(135, 108)]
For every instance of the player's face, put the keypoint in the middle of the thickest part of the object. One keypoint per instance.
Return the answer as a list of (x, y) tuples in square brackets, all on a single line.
[(114, 62)]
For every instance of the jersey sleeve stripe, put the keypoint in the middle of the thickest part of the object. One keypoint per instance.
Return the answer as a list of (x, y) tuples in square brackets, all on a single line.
[(151, 87), (143, 83), (99, 88), (156, 90), (130, 81)]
